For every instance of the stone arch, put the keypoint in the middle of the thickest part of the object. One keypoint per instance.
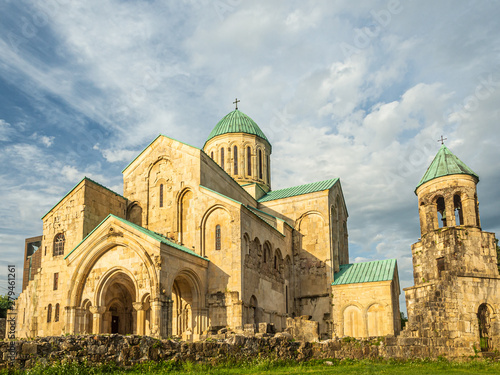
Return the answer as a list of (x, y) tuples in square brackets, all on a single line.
[(116, 292), (134, 213), (352, 321), (162, 166), (485, 314), (253, 314), (457, 208), (440, 216), (208, 234), (186, 226), (375, 318), (278, 260), (246, 244), (187, 304), (82, 271), (267, 253)]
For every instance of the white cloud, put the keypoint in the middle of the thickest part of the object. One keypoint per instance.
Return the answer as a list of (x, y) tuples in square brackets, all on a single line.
[(5, 130)]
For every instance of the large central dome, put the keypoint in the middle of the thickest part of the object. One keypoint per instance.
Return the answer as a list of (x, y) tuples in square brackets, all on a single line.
[(236, 122)]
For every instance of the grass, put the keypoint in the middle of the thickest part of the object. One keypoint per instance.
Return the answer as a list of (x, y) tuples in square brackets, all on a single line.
[(266, 366)]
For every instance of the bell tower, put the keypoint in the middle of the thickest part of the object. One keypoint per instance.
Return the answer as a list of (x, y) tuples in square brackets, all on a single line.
[(447, 194), (455, 273)]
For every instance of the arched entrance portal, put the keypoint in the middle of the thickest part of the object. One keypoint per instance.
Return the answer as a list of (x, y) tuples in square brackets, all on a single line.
[(185, 307), (118, 295)]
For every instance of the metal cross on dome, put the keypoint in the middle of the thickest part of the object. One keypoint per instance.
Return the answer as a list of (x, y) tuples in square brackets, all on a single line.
[(442, 140), (236, 102)]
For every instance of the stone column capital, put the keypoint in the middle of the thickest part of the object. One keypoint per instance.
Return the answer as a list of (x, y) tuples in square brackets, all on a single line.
[(138, 306), (97, 309)]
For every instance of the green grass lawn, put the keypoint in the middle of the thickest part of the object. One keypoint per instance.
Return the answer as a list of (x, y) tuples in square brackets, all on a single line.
[(264, 366)]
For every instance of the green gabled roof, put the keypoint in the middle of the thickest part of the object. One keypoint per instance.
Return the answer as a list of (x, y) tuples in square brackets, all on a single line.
[(298, 190), (445, 164), (74, 187), (236, 122), (366, 272), (148, 232)]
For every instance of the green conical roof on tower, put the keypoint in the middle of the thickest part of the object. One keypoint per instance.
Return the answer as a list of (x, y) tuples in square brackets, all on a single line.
[(445, 164), (237, 122)]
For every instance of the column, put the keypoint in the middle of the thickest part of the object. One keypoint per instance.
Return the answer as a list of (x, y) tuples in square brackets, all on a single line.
[(139, 308), (97, 312)]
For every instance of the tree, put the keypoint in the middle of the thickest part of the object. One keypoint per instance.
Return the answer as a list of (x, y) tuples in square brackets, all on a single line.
[(5, 304), (404, 319)]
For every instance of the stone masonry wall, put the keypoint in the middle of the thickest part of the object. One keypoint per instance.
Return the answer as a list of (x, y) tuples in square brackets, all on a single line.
[(132, 349)]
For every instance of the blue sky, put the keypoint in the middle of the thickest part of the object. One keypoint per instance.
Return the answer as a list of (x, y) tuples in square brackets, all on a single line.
[(357, 90)]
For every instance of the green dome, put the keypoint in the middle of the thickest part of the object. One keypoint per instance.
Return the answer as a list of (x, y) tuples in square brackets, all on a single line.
[(236, 122), (445, 164)]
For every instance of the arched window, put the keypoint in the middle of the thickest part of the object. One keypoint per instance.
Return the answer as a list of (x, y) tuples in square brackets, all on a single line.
[(249, 161), (217, 237), (56, 313), (222, 158), (58, 244), (49, 313), (161, 195), (212, 155), (441, 211), (235, 158), (457, 203), (260, 164)]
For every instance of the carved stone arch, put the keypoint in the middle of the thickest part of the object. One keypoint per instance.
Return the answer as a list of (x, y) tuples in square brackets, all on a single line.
[(153, 183), (109, 277), (186, 226), (246, 244), (375, 317), (84, 268), (267, 252), (352, 320), (203, 223), (186, 293), (307, 213)]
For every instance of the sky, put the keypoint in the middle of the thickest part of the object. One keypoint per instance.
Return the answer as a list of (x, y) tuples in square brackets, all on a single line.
[(360, 90)]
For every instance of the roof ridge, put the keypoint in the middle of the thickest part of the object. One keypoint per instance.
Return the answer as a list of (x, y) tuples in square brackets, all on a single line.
[(299, 190)]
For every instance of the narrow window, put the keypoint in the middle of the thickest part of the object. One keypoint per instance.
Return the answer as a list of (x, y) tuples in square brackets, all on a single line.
[(212, 155), (440, 265), (161, 195), (49, 313), (222, 158), (249, 161), (56, 313), (58, 244), (260, 164), (441, 210), (56, 280), (217, 237), (459, 218), (45, 250), (275, 262), (235, 158)]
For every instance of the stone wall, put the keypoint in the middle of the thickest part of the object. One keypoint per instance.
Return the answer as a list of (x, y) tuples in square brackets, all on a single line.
[(3, 327), (128, 350)]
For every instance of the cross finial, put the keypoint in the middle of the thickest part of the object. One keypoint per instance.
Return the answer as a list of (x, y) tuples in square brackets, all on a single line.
[(236, 102), (442, 140)]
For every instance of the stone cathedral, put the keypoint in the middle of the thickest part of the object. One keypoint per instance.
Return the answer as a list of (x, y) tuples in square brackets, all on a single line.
[(199, 242)]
